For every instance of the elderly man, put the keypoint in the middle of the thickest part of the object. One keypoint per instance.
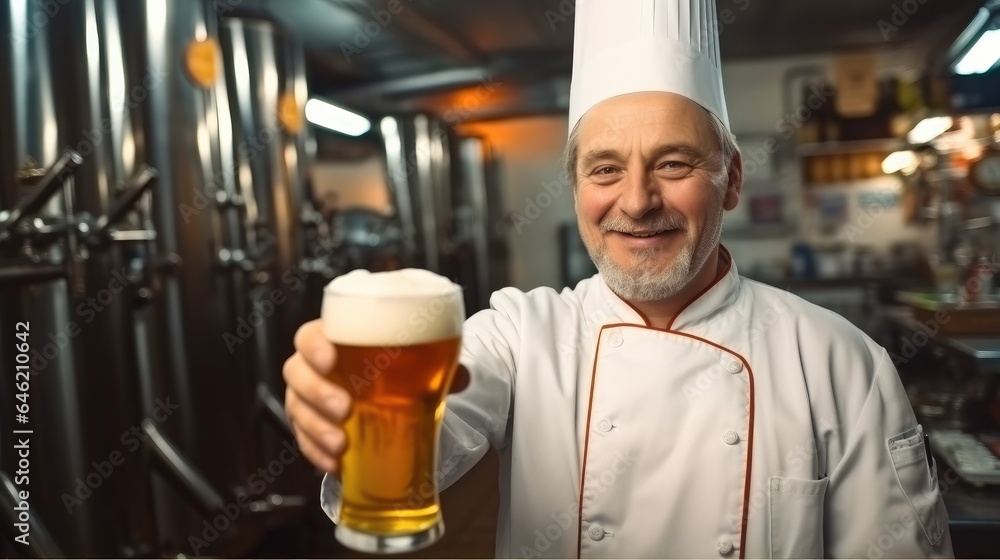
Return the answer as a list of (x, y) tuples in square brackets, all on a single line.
[(666, 406)]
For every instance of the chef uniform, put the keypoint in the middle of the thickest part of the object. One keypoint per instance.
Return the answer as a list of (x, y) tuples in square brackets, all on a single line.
[(755, 425)]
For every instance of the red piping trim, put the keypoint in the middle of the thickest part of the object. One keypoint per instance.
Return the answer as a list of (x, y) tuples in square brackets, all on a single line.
[(747, 462), (586, 443), (645, 319), (718, 278)]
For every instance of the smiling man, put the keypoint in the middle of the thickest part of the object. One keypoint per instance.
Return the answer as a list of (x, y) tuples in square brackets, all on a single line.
[(666, 407), (652, 181)]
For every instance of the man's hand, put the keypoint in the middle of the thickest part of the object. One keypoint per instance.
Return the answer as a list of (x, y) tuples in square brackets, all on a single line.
[(315, 405)]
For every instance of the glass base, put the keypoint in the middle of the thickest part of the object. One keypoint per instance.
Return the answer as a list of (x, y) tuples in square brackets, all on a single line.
[(395, 544)]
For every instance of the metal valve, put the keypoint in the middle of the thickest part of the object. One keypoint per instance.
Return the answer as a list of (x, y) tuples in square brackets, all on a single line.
[(38, 196)]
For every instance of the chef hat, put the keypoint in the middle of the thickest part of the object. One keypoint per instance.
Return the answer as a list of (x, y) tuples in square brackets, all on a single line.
[(628, 46)]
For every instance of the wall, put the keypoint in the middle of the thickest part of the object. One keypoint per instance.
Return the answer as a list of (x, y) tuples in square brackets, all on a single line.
[(352, 184)]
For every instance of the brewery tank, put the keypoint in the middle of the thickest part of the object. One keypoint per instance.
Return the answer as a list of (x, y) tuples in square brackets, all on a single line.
[(32, 141), (265, 76)]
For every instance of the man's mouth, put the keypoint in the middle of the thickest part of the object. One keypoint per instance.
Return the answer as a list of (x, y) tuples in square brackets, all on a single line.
[(645, 233)]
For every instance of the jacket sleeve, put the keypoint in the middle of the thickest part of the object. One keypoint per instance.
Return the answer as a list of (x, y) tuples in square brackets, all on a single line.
[(479, 416), (883, 500)]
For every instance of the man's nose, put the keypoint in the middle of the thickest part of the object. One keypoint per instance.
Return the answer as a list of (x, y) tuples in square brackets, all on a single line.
[(640, 195)]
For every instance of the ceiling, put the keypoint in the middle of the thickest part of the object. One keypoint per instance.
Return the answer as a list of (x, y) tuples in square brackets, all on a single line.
[(380, 55)]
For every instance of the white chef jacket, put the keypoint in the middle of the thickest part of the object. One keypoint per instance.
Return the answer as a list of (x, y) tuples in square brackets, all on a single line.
[(757, 425)]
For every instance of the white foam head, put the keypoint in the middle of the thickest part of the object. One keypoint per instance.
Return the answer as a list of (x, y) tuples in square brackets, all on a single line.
[(396, 308)]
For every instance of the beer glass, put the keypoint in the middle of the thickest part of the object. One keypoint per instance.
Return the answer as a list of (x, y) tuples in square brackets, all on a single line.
[(397, 336)]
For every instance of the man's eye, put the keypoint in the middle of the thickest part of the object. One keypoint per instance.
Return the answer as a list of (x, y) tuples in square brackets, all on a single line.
[(606, 170), (673, 165)]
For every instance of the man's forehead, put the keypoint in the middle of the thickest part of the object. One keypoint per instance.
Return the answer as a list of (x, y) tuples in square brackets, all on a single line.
[(616, 132)]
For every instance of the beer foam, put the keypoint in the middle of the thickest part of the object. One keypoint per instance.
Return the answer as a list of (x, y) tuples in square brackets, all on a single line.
[(395, 308)]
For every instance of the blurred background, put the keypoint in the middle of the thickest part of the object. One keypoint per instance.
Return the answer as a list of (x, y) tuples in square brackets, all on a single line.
[(180, 178)]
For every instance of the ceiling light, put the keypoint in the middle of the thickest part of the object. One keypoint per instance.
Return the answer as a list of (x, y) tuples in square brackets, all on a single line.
[(977, 48), (337, 119), (983, 55), (929, 129)]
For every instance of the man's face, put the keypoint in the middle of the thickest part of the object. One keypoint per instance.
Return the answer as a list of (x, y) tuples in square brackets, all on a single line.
[(651, 189)]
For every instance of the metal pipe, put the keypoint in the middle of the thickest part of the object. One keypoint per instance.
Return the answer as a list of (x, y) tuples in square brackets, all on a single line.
[(41, 192), (425, 183), (21, 274), (41, 541), (181, 472), (474, 179), (275, 411), (400, 183), (138, 185)]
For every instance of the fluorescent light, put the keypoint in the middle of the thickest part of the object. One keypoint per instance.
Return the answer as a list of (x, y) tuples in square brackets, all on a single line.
[(982, 56), (929, 129), (906, 162), (337, 119)]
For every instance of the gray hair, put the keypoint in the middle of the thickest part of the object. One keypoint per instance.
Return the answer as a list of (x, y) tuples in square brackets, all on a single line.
[(727, 149)]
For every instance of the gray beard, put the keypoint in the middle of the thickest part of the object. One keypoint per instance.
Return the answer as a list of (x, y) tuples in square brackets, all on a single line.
[(640, 282)]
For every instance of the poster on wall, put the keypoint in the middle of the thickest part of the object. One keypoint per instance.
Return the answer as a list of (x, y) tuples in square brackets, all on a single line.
[(832, 207), (877, 199)]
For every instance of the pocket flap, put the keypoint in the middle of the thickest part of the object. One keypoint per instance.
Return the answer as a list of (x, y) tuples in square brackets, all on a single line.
[(918, 481), (796, 510)]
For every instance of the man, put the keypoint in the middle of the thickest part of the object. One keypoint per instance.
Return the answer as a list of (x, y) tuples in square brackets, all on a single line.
[(666, 406)]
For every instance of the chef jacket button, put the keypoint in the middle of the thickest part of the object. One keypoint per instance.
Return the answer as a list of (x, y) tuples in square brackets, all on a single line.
[(731, 438), (596, 532), (615, 339), (734, 366), (605, 425), (725, 547)]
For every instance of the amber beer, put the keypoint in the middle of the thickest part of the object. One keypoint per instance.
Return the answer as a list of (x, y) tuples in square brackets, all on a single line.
[(397, 336)]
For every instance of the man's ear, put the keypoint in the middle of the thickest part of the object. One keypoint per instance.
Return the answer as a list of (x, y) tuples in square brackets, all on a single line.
[(734, 186)]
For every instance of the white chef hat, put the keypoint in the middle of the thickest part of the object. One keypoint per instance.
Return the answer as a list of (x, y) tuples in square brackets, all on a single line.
[(629, 46)]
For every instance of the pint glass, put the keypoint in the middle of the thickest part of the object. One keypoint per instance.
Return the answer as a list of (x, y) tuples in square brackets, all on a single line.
[(397, 336)]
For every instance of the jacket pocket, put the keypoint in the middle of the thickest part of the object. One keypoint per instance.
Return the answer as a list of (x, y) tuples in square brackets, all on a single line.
[(796, 510), (919, 482)]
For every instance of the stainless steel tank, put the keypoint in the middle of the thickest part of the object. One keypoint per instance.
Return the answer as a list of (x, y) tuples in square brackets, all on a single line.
[(418, 161), (173, 58), (265, 70), (142, 278), (267, 94), (32, 141), (117, 278), (106, 292), (480, 239), (448, 203)]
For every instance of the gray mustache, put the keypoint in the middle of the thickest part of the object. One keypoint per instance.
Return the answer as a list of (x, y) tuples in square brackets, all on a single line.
[(625, 225)]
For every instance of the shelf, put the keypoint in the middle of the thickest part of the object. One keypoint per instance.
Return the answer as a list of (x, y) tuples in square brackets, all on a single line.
[(850, 147), (882, 181)]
